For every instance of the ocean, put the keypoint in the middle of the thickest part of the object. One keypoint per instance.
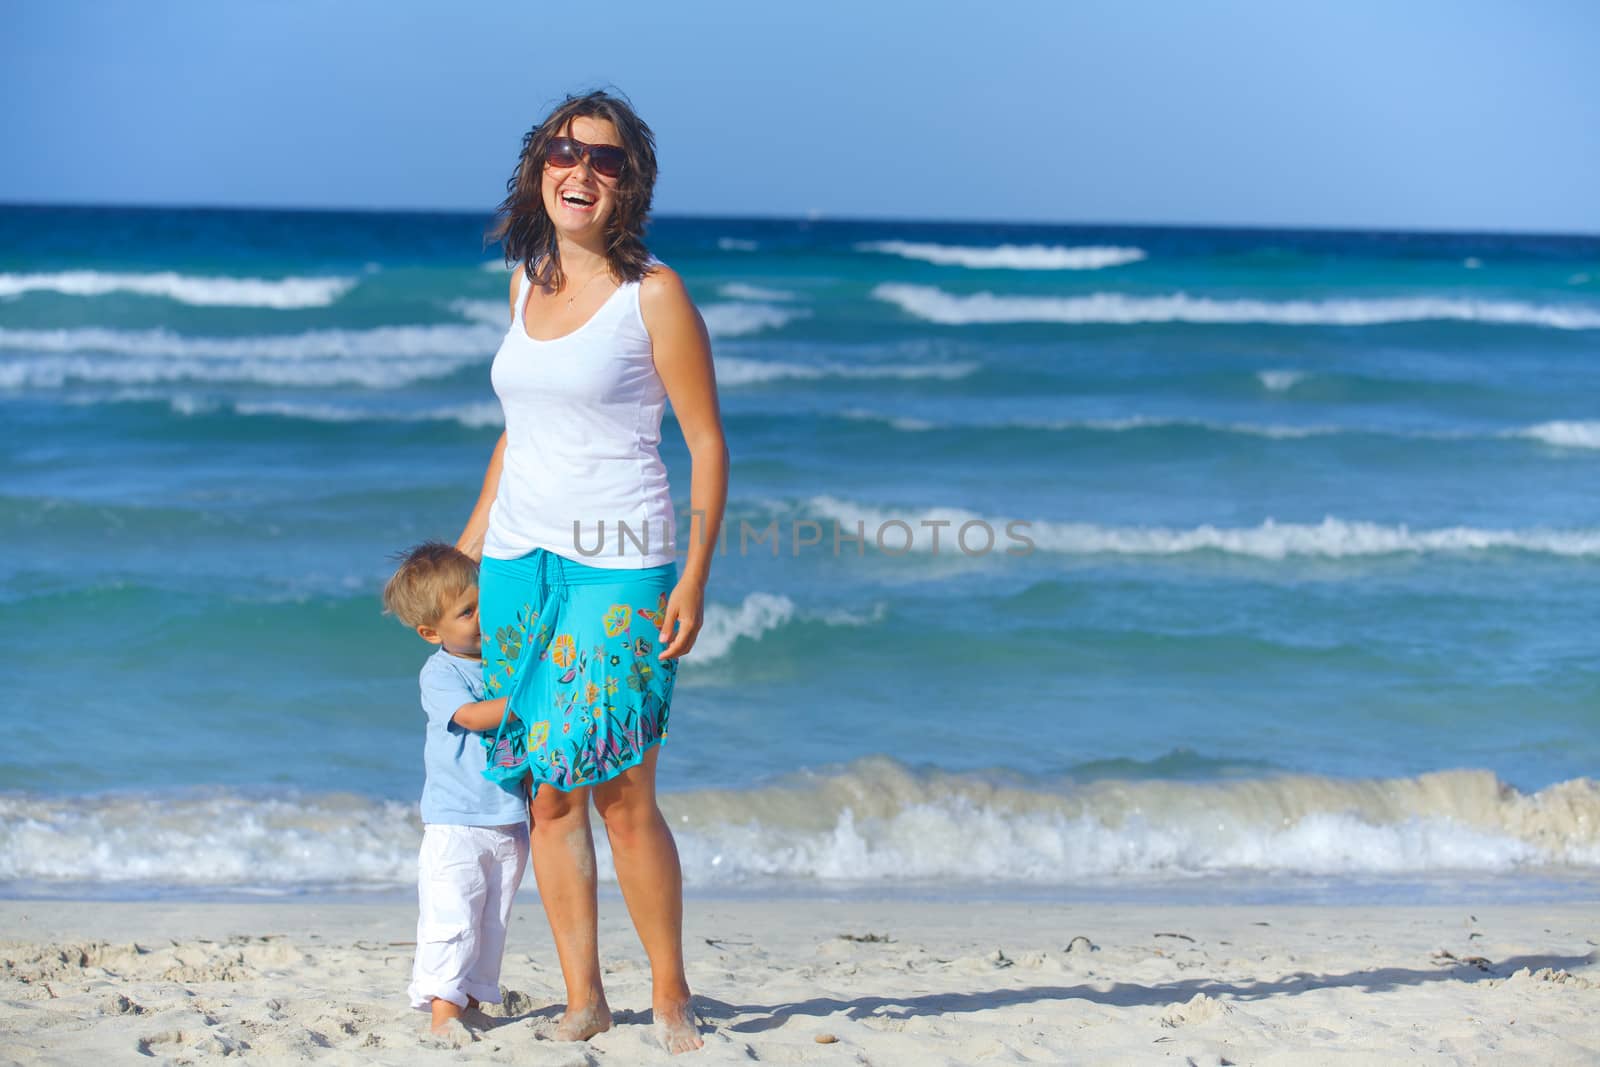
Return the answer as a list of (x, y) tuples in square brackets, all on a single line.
[(1268, 561)]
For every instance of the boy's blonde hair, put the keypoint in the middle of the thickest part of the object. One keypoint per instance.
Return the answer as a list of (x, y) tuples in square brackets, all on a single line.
[(431, 575)]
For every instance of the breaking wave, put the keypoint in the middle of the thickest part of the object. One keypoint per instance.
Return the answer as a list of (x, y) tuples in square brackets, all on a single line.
[(873, 821), (950, 309), (741, 320), (382, 357), (1564, 434), (733, 370), (754, 617), (1009, 257), (741, 291), (198, 290), (1332, 538)]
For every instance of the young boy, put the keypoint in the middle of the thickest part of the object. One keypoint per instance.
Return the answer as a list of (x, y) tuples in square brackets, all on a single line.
[(475, 834)]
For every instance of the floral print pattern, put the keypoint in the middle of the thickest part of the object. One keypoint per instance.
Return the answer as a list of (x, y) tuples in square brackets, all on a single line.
[(616, 620), (563, 651), (538, 734)]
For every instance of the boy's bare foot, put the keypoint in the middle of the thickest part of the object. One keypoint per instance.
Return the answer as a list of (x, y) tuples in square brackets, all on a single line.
[(444, 1013), (583, 1023), (675, 1026), (452, 1033)]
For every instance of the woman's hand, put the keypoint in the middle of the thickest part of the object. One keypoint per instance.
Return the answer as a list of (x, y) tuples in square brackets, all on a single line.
[(684, 616)]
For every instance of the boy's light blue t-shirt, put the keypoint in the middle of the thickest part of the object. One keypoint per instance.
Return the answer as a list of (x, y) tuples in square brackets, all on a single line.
[(456, 793)]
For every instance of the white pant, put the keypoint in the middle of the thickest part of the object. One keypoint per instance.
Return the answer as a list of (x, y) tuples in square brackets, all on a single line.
[(467, 877)]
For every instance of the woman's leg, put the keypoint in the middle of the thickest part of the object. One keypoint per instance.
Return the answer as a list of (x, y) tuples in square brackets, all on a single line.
[(563, 865), (652, 885)]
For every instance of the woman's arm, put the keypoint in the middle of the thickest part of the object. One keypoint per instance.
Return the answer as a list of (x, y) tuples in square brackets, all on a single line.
[(471, 539), (682, 351)]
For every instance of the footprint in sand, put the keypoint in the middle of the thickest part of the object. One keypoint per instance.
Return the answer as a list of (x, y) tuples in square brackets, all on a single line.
[(1199, 1009)]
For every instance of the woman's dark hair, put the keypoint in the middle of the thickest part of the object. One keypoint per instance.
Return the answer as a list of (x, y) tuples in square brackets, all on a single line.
[(523, 227)]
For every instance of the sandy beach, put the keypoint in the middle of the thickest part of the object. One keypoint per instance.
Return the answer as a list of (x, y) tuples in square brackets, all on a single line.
[(827, 982)]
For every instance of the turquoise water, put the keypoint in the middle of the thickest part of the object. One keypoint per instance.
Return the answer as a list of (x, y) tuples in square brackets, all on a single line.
[(1311, 515)]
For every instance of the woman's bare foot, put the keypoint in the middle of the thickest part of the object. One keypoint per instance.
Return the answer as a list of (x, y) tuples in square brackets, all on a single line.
[(675, 1026), (583, 1023)]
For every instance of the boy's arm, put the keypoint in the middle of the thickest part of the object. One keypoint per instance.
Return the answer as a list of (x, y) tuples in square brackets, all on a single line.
[(480, 716)]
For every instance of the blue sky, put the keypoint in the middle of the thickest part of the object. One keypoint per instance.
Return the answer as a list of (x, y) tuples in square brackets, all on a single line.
[(1424, 114)]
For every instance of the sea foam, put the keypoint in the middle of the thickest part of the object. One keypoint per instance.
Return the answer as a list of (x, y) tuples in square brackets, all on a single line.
[(1563, 434), (755, 616), (1125, 424), (734, 370), (383, 357), (742, 291), (472, 416), (1009, 257), (1332, 538), (879, 821), (488, 312), (951, 309), (185, 288), (873, 821), (1560, 434), (1280, 381), (742, 319), (446, 340)]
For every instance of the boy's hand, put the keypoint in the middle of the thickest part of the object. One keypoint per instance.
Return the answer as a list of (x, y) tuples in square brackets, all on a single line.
[(482, 716)]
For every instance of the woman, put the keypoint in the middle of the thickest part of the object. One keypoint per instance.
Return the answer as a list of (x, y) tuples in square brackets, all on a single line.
[(582, 610)]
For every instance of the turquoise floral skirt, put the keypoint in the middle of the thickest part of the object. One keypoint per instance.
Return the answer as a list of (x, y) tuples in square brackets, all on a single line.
[(574, 648)]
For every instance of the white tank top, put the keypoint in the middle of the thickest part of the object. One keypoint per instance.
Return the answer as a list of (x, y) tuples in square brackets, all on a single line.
[(583, 430)]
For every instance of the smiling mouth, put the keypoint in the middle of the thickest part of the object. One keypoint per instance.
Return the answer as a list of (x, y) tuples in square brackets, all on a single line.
[(580, 200)]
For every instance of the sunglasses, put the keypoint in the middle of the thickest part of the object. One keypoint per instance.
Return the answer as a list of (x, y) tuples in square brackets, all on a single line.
[(606, 160)]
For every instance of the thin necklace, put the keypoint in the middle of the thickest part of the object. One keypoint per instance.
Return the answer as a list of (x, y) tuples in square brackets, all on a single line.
[(579, 291)]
